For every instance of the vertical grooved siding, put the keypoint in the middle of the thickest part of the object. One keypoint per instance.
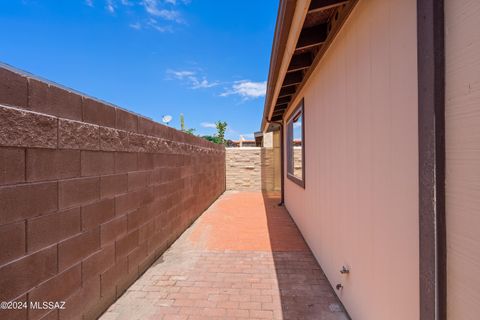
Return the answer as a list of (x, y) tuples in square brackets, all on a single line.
[(360, 204), (462, 143)]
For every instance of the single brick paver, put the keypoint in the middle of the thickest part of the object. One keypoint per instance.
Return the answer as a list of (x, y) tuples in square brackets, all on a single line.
[(244, 258)]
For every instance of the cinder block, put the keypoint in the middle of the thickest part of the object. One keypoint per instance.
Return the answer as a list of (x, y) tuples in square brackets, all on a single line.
[(113, 185), (146, 126), (145, 161), (20, 202), (77, 248), (97, 213), (136, 218), (98, 263), (137, 180), (139, 143), (165, 132), (46, 230), (20, 128), (113, 229), (78, 191), (125, 162), (12, 241), (55, 289), (126, 203), (146, 231), (21, 275), (96, 163), (100, 306), (126, 121), (53, 100), (113, 140), (111, 277), (126, 244), (98, 113), (78, 135), (125, 281), (47, 164), (13, 88), (124, 216), (12, 165), (135, 257), (16, 314), (81, 300)]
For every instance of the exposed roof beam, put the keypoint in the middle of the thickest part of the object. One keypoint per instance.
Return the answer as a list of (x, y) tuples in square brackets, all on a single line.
[(276, 118), (278, 114), (300, 61), (283, 100), (287, 91), (313, 36), (292, 78), (280, 107), (320, 5)]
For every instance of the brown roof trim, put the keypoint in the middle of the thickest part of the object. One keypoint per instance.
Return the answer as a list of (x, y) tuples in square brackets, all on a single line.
[(286, 9), (281, 36), (331, 36)]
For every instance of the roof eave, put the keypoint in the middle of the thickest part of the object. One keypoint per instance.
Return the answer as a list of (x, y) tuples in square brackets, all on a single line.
[(285, 15)]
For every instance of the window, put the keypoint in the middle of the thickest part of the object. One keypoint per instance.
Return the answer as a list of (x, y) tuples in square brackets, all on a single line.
[(296, 146)]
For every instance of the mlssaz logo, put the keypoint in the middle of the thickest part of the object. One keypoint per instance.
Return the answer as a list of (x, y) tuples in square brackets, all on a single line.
[(47, 305)]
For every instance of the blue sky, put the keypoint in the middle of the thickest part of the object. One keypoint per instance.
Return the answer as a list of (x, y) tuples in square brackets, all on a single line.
[(207, 59)]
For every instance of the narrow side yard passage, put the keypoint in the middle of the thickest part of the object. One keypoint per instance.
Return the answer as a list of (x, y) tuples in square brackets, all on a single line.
[(243, 258)]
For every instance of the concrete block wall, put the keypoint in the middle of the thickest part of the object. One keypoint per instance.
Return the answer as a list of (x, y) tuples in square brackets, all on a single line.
[(90, 196), (251, 169)]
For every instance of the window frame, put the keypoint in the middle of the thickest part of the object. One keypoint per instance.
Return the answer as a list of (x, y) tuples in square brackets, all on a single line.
[(297, 112)]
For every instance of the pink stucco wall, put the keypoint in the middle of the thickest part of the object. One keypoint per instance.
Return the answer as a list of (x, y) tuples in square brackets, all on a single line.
[(360, 204), (462, 115)]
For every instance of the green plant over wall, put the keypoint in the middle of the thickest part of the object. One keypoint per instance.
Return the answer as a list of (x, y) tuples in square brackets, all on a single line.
[(221, 128), (219, 137), (182, 122), (182, 125)]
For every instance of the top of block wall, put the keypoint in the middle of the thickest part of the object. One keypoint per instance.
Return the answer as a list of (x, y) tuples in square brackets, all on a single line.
[(20, 89)]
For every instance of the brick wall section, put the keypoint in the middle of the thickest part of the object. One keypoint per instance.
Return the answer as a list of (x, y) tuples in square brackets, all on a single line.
[(250, 169), (90, 196)]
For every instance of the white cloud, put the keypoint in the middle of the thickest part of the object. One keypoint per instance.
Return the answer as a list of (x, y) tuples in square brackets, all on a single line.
[(110, 6), (153, 8), (164, 10), (246, 89), (181, 74), (208, 125), (153, 24), (171, 15), (192, 78), (163, 28), (202, 84), (136, 26)]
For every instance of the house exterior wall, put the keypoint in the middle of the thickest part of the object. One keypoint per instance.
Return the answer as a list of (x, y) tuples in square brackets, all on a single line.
[(462, 116), (90, 196), (360, 204)]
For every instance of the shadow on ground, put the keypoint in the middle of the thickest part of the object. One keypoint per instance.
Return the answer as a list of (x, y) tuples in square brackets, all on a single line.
[(304, 291)]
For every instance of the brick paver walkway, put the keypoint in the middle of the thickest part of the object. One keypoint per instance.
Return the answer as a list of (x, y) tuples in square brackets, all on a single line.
[(243, 258)]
